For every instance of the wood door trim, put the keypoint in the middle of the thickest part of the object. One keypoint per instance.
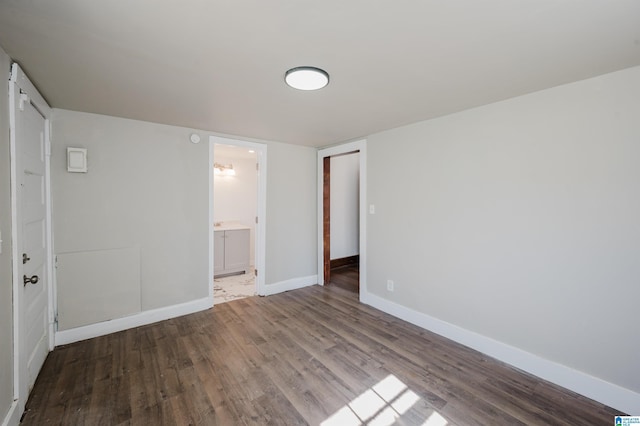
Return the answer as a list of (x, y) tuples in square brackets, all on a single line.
[(326, 218), (344, 261), (349, 147)]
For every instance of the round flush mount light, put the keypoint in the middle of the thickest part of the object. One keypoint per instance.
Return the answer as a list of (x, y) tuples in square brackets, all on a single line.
[(306, 78)]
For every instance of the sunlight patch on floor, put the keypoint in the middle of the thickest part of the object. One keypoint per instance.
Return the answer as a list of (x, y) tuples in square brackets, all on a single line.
[(435, 419), (382, 404)]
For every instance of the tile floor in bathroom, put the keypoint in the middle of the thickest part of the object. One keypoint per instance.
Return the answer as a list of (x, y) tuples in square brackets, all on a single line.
[(233, 287)]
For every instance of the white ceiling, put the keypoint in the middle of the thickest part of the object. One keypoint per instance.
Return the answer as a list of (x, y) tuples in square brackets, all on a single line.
[(219, 65)]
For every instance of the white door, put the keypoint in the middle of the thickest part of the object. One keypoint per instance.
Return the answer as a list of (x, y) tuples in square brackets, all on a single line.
[(29, 160), (31, 195)]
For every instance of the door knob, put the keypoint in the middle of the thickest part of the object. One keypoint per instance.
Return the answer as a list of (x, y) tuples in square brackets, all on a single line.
[(25, 258), (32, 280)]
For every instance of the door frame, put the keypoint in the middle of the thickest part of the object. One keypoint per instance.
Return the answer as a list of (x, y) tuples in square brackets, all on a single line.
[(20, 84), (260, 234), (361, 146)]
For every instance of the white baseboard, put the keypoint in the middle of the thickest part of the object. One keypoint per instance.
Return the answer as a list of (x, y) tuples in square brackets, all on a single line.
[(13, 416), (143, 318), (147, 317), (599, 390), (291, 284)]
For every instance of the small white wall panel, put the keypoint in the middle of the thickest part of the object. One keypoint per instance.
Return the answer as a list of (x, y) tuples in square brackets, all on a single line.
[(76, 160), (96, 286)]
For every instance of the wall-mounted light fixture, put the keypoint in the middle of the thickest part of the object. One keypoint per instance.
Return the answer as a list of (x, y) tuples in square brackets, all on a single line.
[(223, 169)]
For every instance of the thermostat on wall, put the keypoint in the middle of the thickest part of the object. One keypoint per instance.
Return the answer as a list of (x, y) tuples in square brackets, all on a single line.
[(76, 160)]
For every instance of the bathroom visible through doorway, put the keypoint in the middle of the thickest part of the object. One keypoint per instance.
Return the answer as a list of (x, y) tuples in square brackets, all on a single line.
[(236, 230)]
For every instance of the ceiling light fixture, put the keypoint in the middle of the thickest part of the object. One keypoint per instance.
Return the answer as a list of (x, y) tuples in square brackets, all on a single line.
[(306, 78)]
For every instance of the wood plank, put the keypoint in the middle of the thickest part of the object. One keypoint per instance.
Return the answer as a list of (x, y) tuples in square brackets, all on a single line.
[(346, 277), (298, 357)]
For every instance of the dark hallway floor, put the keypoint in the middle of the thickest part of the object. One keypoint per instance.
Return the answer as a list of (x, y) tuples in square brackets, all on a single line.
[(346, 277)]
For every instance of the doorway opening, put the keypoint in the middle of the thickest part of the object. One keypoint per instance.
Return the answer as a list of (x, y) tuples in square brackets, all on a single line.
[(341, 174), (237, 225), (341, 200)]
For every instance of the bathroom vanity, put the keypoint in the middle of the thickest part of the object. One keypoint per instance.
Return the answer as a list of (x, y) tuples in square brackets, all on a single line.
[(231, 248)]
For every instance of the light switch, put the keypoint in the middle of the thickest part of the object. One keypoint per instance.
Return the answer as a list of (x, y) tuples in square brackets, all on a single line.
[(372, 209), (76, 160)]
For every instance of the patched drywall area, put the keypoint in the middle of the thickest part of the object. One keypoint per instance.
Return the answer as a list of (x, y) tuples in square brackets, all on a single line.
[(97, 285)]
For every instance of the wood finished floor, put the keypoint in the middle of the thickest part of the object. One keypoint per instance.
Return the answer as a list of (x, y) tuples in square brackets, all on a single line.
[(298, 357), (346, 277)]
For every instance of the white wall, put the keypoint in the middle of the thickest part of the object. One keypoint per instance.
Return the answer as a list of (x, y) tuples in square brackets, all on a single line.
[(235, 197), (344, 204), (519, 221), (291, 246), (6, 289), (148, 188)]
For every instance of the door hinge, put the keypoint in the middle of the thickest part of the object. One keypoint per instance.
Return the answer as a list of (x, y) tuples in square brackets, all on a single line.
[(47, 146), (256, 219), (23, 98), (256, 272), (50, 138), (258, 166)]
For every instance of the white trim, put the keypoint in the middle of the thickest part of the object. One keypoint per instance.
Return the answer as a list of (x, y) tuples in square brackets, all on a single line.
[(362, 268), (211, 240), (260, 241), (20, 78), (14, 241), (607, 393), (12, 418), (292, 284), (361, 146), (51, 281), (143, 318)]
